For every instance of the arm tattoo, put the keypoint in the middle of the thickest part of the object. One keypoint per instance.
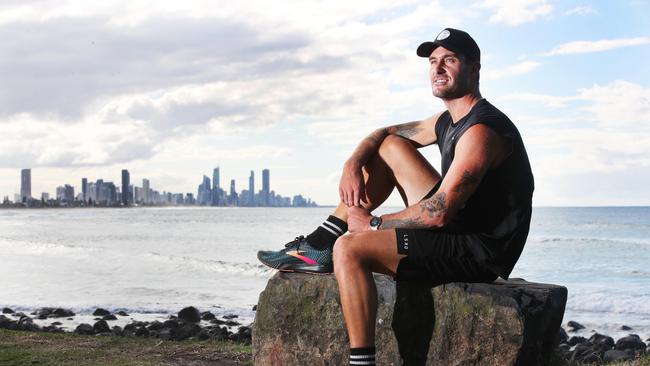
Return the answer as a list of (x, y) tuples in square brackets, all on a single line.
[(467, 180), (435, 206), (416, 223), (408, 130), (378, 136)]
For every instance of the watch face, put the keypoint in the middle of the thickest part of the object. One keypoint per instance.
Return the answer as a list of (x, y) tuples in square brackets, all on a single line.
[(375, 221)]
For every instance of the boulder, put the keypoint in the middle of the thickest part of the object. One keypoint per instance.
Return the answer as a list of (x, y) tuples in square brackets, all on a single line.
[(101, 327), (101, 312), (7, 311), (206, 315), (574, 326), (510, 322), (576, 340), (190, 314), (61, 313), (5, 322), (84, 328), (109, 317), (615, 355), (632, 342)]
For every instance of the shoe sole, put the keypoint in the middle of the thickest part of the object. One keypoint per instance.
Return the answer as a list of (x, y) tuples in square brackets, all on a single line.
[(318, 269)]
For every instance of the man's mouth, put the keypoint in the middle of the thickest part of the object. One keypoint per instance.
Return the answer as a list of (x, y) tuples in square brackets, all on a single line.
[(440, 81)]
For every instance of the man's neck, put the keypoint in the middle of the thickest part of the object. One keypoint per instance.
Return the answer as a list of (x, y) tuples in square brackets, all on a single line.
[(459, 107)]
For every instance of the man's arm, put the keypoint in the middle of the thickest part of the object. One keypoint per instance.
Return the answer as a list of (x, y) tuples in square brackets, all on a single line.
[(351, 187), (477, 150)]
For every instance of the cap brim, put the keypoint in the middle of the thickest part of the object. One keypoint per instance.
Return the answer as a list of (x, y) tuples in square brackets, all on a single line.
[(425, 49)]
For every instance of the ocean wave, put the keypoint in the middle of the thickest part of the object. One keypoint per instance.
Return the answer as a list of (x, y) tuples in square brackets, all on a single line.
[(212, 265), (609, 303), (14, 246)]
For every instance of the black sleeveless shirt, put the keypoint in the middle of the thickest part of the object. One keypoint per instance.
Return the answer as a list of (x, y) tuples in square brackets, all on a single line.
[(497, 215)]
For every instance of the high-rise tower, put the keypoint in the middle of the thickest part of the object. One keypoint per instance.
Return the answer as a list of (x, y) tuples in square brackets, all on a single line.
[(126, 180), (266, 186), (25, 184)]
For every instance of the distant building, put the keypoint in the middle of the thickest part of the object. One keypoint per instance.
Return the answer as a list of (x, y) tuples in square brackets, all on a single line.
[(25, 185), (204, 194), (251, 189), (45, 196), (84, 189), (266, 186), (146, 191), (65, 193), (126, 181)]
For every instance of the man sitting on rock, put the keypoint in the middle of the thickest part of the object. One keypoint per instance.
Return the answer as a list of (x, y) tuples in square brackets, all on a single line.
[(468, 224)]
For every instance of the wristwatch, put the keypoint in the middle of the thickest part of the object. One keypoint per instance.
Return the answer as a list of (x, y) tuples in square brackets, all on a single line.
[(375, 221)]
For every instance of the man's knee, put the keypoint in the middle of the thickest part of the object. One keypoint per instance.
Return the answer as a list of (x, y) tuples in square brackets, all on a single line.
[(392, 145), (345, 252)]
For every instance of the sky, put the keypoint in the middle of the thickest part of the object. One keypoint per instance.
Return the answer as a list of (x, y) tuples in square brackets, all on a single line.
[(172, 89)]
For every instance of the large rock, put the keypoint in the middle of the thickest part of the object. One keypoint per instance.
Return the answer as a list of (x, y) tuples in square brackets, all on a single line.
[(503, 323)]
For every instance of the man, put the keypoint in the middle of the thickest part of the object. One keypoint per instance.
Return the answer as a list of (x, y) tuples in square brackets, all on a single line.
[(468, 225)]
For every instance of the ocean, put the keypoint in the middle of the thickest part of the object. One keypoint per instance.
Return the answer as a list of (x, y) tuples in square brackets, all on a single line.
[(151, 262)]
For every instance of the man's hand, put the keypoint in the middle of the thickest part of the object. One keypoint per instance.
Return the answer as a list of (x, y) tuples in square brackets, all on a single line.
[(358, 219), (352, 189)]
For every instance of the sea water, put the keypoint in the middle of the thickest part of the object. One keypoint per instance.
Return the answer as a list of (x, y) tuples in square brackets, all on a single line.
[(152, 262)]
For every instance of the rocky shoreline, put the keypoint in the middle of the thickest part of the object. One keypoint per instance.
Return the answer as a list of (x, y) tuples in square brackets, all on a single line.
[(191, 324), (599, 348), (188, 324)]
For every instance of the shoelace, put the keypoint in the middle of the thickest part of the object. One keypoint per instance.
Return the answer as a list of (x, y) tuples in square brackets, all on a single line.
[(295, 243)]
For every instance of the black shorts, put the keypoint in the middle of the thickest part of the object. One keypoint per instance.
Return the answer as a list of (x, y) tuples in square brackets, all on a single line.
[(440, 257)]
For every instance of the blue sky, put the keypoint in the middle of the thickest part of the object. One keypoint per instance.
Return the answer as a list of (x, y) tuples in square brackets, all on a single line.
[(169, 90)]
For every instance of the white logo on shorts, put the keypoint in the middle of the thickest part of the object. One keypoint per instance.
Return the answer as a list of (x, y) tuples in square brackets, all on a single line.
[(444, 34)]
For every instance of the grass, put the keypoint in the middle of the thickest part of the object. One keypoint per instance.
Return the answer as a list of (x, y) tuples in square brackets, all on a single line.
[(19, 348)]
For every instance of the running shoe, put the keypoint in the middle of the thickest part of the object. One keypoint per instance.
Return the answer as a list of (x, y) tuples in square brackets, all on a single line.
[(298, 256)]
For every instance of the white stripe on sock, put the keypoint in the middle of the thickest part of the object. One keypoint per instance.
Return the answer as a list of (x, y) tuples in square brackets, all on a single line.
[(338, 229), (362, 356), (355, 362), (330, 230)]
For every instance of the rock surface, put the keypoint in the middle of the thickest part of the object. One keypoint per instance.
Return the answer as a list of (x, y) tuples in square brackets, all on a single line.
[(503, 323)]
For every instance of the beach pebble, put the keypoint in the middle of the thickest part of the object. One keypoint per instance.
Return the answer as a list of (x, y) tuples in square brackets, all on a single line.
[(614, 355), (190, 314), (84, 328), (574, 326), (632, 342), (101, 312), (7, 311)]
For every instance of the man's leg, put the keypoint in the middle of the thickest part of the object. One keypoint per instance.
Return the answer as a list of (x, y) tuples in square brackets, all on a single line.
[(356, 257), (397, 164)]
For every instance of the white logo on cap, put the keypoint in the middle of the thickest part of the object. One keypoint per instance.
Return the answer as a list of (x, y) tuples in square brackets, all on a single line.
[(444, 34)]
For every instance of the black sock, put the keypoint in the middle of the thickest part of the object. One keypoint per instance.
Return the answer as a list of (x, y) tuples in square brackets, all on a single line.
[(362, 356), (326, 234)]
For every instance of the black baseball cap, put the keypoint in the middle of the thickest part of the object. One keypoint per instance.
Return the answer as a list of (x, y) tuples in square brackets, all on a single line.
[(455, 40)]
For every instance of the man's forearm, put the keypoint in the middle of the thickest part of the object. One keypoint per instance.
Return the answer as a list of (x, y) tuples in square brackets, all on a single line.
[(371, 143), (367, 147), (427, 214)]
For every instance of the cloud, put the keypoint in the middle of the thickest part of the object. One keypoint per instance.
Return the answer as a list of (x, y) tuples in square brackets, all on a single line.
[(521, 68), (580, 10), (517, 12), (576, 47)]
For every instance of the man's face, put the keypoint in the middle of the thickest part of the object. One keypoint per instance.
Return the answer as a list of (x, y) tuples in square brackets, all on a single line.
[(449, 74)]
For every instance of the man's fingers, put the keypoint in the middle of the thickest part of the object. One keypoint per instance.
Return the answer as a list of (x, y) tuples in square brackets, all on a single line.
[(356, 198)]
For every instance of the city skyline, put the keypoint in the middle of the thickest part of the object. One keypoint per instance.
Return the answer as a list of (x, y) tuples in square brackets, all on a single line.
[(108, 193), (168, 88)]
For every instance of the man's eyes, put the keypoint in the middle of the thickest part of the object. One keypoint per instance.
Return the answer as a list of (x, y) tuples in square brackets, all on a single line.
[(447, 60)]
